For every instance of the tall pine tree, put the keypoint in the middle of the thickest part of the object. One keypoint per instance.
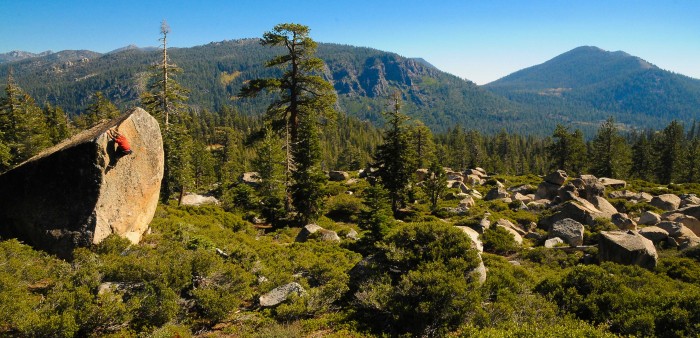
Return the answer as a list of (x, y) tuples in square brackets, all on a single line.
[(23, 127), (395, 158), (305, 98), (610, 153)]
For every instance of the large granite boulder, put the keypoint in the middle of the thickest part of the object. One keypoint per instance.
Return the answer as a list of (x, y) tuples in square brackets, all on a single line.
[(666, 202), (649, 218), (654, 234), (623, 222), (613, 183), (557, 178), (80, 191), (474, 236), (569, 230), (627, 247)]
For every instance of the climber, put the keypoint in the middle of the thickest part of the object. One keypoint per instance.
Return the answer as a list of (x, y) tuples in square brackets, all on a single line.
[(123, 147)]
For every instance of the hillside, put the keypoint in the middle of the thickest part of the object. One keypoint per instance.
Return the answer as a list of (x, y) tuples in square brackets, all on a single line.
[(591, 81), (214, 73)]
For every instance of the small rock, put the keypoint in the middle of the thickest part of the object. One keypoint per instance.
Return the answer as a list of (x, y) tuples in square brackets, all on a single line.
[(568, 230), (496, 193), (323, 234), (557, 178), (654, 234), (553, 242), (623, 222), (613, 183), (197, 200), (338, 176), (280, 294)]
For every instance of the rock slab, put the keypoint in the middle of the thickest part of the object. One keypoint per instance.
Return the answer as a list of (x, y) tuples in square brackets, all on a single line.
[(80, 191)]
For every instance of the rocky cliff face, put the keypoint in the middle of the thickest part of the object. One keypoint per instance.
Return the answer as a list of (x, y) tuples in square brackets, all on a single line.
[(80, 191)]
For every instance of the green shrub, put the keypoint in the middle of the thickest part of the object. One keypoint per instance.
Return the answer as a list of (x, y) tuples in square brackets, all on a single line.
[(498, 240), (418, 285), (343, 207)]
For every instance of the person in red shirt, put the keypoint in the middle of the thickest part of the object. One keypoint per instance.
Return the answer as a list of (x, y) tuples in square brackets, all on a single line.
[(123, 146)]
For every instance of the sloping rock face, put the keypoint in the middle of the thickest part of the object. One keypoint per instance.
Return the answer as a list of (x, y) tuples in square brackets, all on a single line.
[(80, 191)]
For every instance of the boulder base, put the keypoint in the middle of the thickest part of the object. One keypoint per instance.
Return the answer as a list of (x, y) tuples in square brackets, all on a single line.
[(80, 191)]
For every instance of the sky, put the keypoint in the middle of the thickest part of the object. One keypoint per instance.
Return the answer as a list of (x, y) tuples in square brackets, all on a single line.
[(481, 41)]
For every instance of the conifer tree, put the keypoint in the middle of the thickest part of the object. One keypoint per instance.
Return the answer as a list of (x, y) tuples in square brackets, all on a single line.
[(22, 123), (643, 157), (422, 139), (233, 158), (568, 152), (375, 217), (202, 161), (165, 99), (308, 189), (304, 98), (100, 109), (57, 123), (269, 163), (610, 153), (395, 158), (435, 184), (672, 153)]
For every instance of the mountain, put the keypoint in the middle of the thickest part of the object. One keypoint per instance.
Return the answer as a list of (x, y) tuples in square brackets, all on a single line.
[(130, 47), (580, 88), (363, 77), (589, 81), (17, 55)]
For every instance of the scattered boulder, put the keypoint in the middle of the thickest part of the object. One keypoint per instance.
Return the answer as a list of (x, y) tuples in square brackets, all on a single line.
[(455, 176), (692, 223), (689, 200), (338, 176), (654, 234), (317, 232), (473, 180), (496, 193), (508, 224), (691, 211), (251, 178), (459, 210), (666, 202), (628, 248), (553, 242), (556, 178), (523, 189), (577, 209), (613, 183), (484, 224), (197, 200), (474, 236), (80, 191), (279, 294), (479, 273), (606, 209), (467, 202), (682, 235), (352, 234), (518, 238), (623, 222), (649, 218), (522, 198), (546, 190), (568, 230)]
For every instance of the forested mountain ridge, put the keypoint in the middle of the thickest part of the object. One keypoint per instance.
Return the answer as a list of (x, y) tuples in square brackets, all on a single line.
[(363, 78), (588, 78), (581, 87)]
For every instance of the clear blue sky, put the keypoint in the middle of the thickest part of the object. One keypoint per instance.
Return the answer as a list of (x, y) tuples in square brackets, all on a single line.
[(477, 40)]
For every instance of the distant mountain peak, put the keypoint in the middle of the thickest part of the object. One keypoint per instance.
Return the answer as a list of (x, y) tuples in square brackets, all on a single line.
[(17, 55), (132, 47)]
